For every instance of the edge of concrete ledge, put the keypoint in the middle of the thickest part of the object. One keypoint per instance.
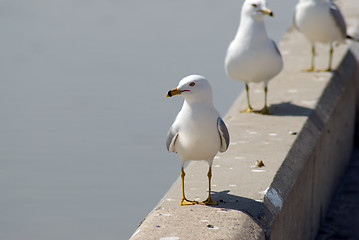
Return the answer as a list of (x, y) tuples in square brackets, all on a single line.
[(321, 144)]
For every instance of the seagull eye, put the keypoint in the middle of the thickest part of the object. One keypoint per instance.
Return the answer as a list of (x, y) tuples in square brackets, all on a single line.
[(254, 5), (192, 84)]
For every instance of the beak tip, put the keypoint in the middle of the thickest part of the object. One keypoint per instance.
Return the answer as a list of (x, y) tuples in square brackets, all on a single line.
[(169, 94)]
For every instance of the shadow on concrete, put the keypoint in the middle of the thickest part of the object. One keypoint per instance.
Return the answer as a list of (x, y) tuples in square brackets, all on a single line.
[(288, 109), (342, 218), (246, 205)]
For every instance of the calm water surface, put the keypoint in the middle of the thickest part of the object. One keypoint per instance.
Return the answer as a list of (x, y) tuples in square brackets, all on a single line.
[(83, 109)]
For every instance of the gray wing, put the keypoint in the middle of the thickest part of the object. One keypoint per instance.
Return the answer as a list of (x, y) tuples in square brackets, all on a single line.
[(224, 135), (276, 48), (338, 19), (171, 139)]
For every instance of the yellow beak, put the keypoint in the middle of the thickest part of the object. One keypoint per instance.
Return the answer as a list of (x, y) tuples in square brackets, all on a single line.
[(173, 92), (267, 12)]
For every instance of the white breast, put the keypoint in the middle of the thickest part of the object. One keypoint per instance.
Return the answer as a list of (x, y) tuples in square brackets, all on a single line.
[(252, 62), (316, 23), (198, 136)]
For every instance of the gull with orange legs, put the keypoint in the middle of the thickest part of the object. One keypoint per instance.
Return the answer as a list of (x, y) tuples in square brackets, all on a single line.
[(198, 132), (320, 21), (252, 56)]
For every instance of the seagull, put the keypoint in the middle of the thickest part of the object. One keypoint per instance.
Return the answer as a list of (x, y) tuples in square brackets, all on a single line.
[(252, 56), (198, 132), (320, 21)]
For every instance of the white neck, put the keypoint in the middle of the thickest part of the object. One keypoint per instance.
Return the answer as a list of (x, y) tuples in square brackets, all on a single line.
[(247, 24), (203, 100)]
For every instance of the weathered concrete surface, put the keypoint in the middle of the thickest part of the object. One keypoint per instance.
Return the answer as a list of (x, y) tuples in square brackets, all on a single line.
[(311, 125), (330, 131), (342, 217)]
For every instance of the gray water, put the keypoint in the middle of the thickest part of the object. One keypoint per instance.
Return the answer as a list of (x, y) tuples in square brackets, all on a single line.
[(83, 108)]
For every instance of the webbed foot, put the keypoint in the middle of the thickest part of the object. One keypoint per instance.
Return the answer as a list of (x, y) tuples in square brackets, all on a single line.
[(208, 201), (247, 110), (264, 111), (184, 201)]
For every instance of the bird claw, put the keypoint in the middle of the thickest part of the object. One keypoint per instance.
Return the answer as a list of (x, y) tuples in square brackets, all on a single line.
[(325, 70), (318, 70), (309, 70), (208, 201), (184, 201), (247, 110), (264, 111)]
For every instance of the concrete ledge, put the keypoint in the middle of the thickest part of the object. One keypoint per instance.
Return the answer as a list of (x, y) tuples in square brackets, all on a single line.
[(305, 146), (312, 169)]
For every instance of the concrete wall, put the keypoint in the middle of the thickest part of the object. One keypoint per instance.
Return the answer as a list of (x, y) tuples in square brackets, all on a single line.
[(317, 159), (305, 145)]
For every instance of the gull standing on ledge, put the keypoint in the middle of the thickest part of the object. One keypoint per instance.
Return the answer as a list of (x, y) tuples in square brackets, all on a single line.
[(320, 21), (252, 56), (198, 132)]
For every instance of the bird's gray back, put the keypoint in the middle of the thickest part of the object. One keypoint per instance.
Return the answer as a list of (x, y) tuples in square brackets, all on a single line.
[(338, 19), (276, 48)]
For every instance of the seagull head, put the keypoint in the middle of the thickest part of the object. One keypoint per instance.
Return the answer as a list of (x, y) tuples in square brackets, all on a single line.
[(256, 9), (193, 88)]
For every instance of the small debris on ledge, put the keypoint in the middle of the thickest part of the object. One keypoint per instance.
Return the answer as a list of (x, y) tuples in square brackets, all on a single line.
[(259, 163)]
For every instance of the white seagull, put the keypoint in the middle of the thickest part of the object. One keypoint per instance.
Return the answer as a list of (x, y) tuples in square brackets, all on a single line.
[(198, 132), (320, 21), (252, 56)]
